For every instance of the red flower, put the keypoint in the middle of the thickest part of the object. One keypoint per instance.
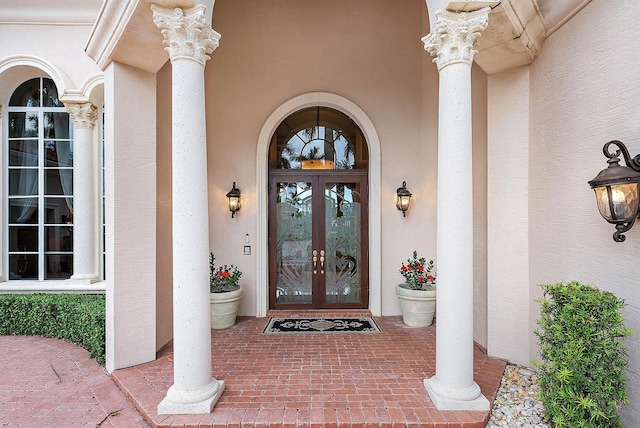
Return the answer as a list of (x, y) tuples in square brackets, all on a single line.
[(420, 269), (421, 278), (409, 268), (430, 278), (403, 268)]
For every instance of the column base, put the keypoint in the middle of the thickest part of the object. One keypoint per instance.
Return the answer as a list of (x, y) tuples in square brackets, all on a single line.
[(445, 398), (83, 279), (191, 402)]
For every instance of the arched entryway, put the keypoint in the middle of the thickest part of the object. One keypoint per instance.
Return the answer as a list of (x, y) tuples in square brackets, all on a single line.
[(318, 216), (330, 181)]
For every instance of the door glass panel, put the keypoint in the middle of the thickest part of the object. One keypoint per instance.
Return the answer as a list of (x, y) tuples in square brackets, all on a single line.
[(293, 243), (343, 243)]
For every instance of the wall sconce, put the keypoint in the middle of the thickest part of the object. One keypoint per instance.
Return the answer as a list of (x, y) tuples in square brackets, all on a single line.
[(233, 198), (404, 198), (616, 189)]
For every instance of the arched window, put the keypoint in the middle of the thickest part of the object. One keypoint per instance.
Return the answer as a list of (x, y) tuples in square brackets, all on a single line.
[(318, 138), (40, 183)]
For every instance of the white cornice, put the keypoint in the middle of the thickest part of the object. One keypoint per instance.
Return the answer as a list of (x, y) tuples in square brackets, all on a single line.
[(513, 38), (47, 12), (517, 29), (125, 32)]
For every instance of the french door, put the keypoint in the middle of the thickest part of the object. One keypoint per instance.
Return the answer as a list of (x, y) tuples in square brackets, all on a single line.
[(318, 234)]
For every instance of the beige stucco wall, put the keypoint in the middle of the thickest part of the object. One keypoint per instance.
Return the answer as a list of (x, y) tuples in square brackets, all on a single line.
[(508, 215), (270, 53), (164, 265), (370, 54), (585, 92)]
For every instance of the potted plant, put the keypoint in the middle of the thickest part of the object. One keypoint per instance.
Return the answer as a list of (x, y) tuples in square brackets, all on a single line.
[(225, 294), (417, 295)]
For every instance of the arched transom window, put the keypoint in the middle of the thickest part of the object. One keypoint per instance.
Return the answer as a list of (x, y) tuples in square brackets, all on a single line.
[(318, 138)]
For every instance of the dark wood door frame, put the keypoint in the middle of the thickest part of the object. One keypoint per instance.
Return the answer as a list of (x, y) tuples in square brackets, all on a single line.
[(319, 178)]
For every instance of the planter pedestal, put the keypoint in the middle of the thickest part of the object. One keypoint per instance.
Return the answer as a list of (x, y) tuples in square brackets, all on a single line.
[(418, 306), (224, 308)]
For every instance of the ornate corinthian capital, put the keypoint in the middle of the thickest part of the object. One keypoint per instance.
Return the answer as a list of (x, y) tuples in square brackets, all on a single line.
[(453, 36), (186, 33), (84, 115)]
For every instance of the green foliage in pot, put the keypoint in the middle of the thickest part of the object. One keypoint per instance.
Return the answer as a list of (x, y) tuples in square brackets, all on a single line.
[(223, 278), (582, 374)]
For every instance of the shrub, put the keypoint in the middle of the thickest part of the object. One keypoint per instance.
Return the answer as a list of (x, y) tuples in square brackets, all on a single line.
[(582, 376), (77, 318)]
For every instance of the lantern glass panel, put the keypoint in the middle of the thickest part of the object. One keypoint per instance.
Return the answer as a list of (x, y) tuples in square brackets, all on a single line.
[(403, 202), (234, 204), (618, 203)]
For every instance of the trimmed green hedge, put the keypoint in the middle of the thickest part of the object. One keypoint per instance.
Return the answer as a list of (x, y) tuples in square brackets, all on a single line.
[(582, 374), (77, 318)]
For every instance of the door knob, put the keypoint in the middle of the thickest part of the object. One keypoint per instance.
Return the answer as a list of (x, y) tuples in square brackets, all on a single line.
[(315, 261)]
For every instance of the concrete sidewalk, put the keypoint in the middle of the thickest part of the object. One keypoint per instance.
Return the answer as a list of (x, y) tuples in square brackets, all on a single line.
[(49, 382)]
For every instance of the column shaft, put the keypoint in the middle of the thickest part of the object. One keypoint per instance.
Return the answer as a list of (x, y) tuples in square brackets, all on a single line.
[(451, 41), (189, 41), (190, 228), (86, 195), (454, 352)]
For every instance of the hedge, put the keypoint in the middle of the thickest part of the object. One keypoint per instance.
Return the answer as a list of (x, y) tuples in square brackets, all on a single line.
[(77, 318), (584, 358)]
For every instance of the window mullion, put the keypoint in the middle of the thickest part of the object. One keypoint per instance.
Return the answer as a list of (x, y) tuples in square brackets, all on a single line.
[(41, 210)]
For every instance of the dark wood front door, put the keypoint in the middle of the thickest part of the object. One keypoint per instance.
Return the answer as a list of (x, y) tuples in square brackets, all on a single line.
[(318, 236)]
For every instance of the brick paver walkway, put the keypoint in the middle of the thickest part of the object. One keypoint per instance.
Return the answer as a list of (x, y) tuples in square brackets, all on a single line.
[(52, 383), (315, 380)]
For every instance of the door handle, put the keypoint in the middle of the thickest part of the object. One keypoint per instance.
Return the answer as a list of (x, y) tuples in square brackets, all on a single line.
[(322, 261), (315, 261)]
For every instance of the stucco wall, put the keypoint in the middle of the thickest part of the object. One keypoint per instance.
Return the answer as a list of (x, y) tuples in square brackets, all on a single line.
[(59, 45), (585, 92), (480, 301), (272, 52), (369, 53), (164, 248), (507, 215)]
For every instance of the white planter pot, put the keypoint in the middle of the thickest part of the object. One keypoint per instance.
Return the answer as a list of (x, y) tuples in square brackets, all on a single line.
[(418, 306), (224, 308)]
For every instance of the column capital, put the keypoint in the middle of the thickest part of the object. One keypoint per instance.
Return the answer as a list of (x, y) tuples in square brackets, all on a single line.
[(186, 33), (84, 114), (452, 38)]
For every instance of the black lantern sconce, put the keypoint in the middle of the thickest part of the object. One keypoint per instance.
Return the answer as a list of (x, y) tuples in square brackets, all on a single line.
[(616, 189), (403, 199), (233, 198)]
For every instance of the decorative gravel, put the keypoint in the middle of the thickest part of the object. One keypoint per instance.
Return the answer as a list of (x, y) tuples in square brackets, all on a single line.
[(516, 404)]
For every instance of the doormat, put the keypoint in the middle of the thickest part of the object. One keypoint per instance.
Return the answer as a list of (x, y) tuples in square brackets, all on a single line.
[(321, 325)]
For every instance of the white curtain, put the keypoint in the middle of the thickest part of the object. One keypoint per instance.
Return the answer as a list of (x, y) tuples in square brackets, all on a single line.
[(64, 153), (28, 178)]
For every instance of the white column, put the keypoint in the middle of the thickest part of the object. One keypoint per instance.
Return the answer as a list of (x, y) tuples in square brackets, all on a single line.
[(189, 42), (451, 42), (86, 194)]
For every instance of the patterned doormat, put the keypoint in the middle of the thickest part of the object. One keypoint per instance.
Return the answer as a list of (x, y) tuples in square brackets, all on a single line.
[(322, 325)]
